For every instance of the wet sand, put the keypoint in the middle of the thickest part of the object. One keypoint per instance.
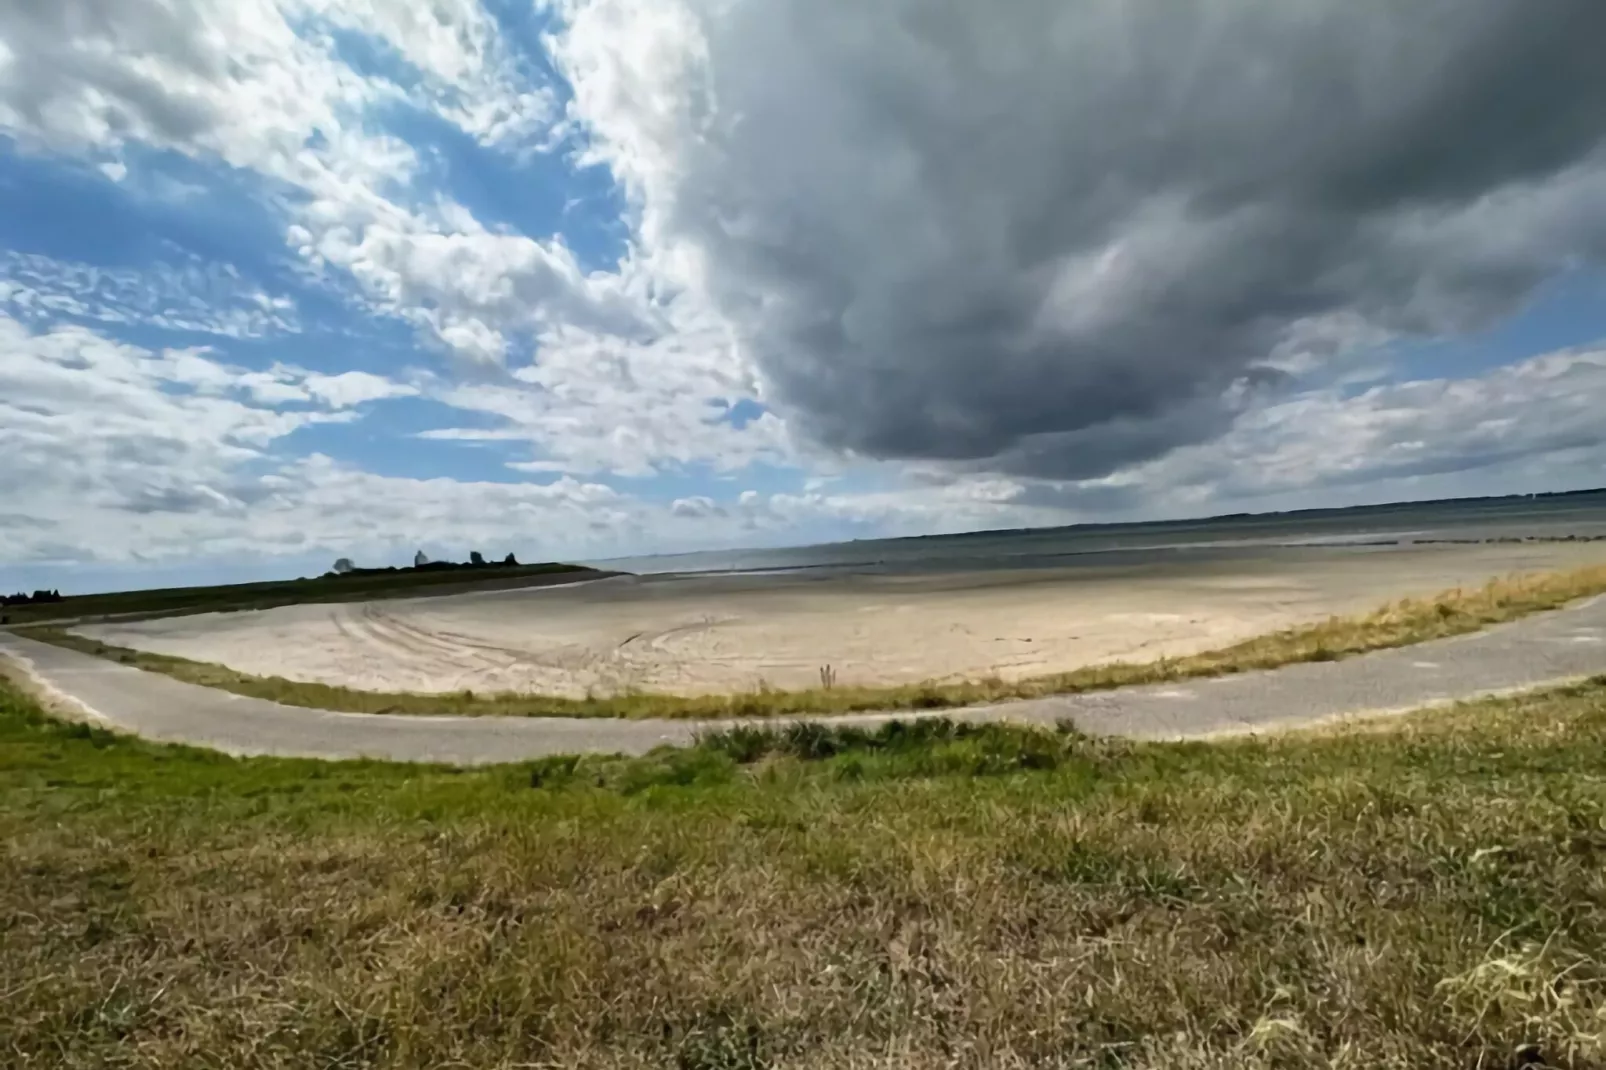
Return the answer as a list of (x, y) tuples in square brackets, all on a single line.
[(710, 634)]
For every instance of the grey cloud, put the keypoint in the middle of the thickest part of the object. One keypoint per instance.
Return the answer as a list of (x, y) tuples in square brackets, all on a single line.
[(89, 50), (1544, 406), (696, 507), (173, 498), (1090, 500), (1485, 428), (1534, 425), (1058, 238)]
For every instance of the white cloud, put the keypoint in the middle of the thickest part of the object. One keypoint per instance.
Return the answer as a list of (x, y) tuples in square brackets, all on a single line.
[(185, 296), (338, 508), (92, 429), (698, 506), (468, 77), (1532, 425), (285, 384), (606, 372), (182, 74), (1546, 406), (84, 411), (464, 285), (1018, 244), (954, 505), (591, 402), (95, 76), (347, 389), (121, 453)]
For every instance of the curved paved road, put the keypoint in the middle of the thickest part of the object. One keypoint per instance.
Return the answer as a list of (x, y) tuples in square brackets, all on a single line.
[(1546, 648)]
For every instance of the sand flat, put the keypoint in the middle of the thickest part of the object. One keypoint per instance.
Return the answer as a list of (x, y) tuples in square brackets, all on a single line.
[(721, 634)]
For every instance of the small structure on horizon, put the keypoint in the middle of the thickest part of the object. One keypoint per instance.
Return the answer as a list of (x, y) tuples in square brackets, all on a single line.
[(420, 560)]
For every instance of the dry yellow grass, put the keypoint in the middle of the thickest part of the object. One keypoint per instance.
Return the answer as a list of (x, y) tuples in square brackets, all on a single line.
[(1429, 896), (1411, 620)]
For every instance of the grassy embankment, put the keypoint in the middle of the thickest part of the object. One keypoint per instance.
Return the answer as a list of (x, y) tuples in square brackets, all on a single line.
[(1399, 624), (358, 587), (1425, 892)]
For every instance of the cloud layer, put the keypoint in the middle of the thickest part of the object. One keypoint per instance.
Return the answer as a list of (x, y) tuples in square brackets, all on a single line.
[(587, 277), (1055, 239)]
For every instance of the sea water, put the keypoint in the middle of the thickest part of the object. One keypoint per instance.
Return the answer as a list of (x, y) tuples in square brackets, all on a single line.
[(1578, 515)]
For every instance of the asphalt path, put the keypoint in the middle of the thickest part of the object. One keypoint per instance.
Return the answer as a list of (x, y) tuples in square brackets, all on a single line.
[(1546, 648)]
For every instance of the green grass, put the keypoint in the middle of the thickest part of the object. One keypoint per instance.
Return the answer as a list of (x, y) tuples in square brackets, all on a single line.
[(178, 601), (1423, 892), (1399, 624)]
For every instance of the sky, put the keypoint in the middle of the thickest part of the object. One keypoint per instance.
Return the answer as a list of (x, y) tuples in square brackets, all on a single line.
[(283, 281)]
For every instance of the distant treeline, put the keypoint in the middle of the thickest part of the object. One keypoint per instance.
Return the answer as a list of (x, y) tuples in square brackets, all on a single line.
[(38, 598), (476, 560)]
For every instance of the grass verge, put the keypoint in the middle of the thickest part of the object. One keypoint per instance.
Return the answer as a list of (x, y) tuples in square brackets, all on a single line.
[(355, 587), (1426, 892), (1401, 623)]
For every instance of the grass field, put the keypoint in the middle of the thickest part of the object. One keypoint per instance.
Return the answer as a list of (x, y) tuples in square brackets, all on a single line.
[(1411, 621), (177, 601), (1425, 892)]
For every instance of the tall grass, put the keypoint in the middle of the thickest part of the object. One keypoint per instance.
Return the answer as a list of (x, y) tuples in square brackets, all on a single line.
[(1401, 623), (1426, 893)]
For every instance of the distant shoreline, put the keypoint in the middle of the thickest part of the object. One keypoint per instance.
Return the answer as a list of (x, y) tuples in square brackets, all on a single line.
[(1443, 519), (967, 564), (1218, 518), (365, 586)]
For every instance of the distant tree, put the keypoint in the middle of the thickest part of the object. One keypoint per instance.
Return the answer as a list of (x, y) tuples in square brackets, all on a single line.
[(510, 561), (39, 597), (476, 558), (343, 566)]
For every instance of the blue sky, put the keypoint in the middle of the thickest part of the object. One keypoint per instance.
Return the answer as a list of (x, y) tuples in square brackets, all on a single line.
[(601, 278)]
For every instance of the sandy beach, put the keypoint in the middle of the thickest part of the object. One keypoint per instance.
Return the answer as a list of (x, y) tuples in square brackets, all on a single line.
[(722, 633)]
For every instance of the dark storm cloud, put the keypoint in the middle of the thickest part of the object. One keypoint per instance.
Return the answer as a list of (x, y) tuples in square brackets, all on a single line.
[(1055, 238)]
